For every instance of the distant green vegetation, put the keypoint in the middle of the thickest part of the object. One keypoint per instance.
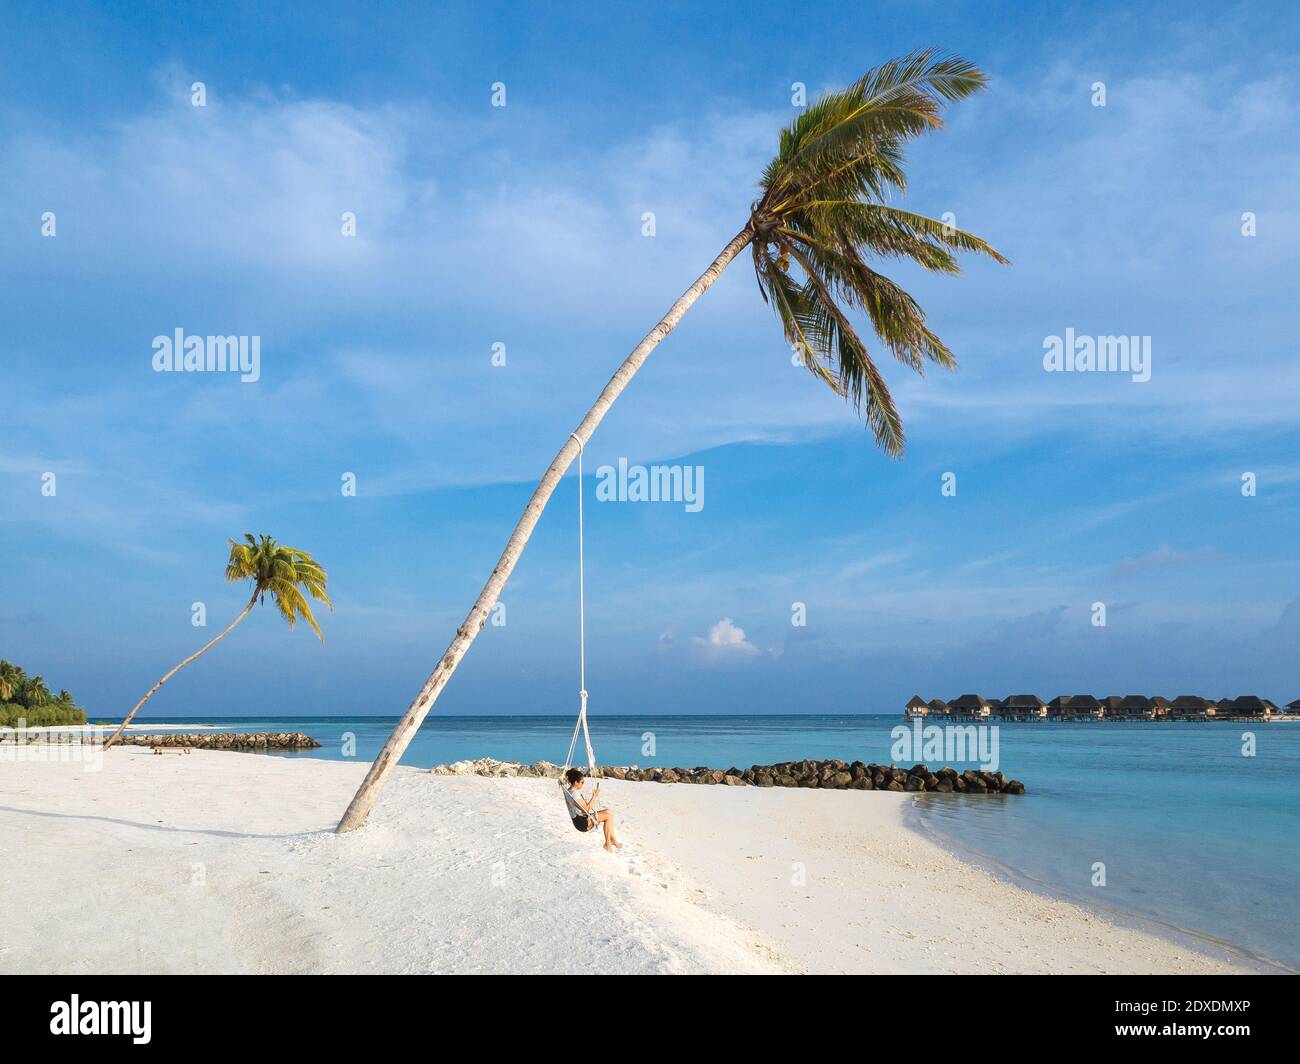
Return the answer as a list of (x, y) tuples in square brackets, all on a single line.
[(29, 698)]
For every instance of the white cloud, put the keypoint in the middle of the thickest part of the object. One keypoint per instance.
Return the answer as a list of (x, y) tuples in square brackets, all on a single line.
[(725, 642)]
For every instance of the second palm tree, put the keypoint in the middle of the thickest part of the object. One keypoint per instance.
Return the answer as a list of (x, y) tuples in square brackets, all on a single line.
[(282, 572)]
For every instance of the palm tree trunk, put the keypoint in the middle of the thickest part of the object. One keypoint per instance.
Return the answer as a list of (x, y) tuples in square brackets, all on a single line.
[(368, 793), (197, 654)]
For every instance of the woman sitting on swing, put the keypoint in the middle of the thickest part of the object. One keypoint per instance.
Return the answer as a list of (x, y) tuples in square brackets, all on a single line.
[(588, 820)]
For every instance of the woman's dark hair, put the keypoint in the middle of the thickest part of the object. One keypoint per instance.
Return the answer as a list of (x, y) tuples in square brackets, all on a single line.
[(574, 776)]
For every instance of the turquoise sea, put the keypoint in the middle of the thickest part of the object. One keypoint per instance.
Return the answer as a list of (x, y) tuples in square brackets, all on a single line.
[(1192, 832)]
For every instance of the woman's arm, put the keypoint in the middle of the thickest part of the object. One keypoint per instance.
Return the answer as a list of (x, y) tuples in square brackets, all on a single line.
[(577, 797)]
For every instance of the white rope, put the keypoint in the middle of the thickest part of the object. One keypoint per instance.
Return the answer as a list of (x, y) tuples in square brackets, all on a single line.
[(582, 590), (581, 725)]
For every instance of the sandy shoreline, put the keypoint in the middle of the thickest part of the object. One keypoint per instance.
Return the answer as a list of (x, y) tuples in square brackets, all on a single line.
[(225, 862)]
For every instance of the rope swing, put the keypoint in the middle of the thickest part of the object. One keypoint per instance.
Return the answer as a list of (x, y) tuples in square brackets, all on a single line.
[(576, 810)]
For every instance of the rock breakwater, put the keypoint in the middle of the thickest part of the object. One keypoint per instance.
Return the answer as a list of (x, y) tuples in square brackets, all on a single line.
[(823, 775)]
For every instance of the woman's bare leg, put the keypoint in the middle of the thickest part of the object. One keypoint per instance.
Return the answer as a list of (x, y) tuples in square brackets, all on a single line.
[(606, 819)]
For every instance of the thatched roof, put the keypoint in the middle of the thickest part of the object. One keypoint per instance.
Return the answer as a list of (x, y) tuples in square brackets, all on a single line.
[(916, 702), (968, 703), (1136, 704), (1190, 704), (1030, 702), (1064, 705), (937, 705), (1251, 704)]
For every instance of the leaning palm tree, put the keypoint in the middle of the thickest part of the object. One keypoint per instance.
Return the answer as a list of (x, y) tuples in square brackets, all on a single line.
[(275, 570), (821, 216)]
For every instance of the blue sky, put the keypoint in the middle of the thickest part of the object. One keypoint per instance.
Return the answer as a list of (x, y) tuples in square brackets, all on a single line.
[(523, 225)]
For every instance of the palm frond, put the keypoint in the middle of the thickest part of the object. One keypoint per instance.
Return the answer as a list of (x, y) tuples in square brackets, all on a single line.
[(823, 212), (798, 316), (281, 572), (859, 378), (857, 128)]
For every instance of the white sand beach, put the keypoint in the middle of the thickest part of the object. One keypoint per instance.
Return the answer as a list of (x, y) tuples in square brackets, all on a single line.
[(226, 862), (98, 729)]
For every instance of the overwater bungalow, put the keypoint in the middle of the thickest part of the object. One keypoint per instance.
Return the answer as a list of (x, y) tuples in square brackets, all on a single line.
[(1076, 707), (1087, 707), (916, 707), (1293, 707), (1133, 707), (1190, 707), (938, 708), (1023, 707), (1160, 706), (1247, 706), (969, 706)]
